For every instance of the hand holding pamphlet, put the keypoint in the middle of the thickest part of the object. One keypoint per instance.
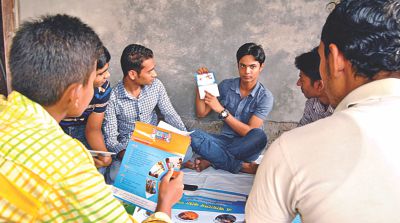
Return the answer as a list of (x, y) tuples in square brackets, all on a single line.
[(151, 152), (206, 82)]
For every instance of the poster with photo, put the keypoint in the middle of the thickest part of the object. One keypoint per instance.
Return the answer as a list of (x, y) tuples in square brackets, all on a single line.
[(204, 205), (209, 205)]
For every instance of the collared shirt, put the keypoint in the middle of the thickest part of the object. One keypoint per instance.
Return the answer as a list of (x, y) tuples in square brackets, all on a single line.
[(259, 103), (45, 175), (343, 168), (124, 110), (314, 110), (98, 104)]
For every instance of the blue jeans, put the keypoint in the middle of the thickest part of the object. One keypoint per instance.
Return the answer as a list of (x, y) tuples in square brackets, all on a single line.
[(78, 132), (229, 153)]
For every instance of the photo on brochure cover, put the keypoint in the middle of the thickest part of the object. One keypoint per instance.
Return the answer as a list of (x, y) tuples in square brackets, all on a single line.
[(173, 162), (150, 187), (157, 169)]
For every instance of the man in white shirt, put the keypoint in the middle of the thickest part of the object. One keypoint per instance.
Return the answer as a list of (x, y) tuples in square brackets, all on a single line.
[(317, 104), (343, 168)]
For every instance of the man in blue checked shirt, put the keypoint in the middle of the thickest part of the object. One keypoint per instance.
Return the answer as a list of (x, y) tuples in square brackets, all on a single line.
[(133, 99), (243, 106)]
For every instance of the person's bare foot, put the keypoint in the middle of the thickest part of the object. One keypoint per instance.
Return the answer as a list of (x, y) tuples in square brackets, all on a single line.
[(189, 164), (201, 164), (249, 167)]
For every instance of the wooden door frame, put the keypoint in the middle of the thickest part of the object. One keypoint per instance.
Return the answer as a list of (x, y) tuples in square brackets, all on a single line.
[(9, 14)]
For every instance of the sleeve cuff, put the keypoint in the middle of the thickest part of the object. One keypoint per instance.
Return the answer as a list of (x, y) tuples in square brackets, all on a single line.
[(158, 217), (117, 149)]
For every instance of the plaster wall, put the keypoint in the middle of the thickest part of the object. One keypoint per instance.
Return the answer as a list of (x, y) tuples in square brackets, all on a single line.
[(187, 34)]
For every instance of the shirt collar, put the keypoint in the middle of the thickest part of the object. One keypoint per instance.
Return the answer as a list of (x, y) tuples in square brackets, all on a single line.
[(103, 87), (373, 90), (23, 106), (123, 93), (317, 105), (236, 87)]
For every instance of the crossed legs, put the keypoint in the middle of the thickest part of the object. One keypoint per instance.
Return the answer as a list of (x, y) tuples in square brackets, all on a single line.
[(231, 154)]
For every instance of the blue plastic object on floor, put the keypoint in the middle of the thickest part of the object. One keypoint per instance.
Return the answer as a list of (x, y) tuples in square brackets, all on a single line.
[(297, 219)]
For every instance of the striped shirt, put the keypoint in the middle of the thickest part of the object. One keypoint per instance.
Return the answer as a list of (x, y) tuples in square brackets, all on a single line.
[(98, 104), (314, 110), (45, 175), (124, 110)]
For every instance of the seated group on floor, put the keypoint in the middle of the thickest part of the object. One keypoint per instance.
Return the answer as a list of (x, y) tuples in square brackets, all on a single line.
[(243, 106), (339, 165)]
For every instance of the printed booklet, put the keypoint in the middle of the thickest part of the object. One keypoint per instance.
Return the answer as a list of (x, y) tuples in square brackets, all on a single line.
[(206, 82), (148, 156)]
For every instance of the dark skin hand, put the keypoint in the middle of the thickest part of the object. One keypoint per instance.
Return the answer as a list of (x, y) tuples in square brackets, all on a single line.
[(170, 191)]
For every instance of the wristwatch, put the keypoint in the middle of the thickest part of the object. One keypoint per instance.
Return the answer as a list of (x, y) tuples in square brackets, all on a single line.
[(223, 114)]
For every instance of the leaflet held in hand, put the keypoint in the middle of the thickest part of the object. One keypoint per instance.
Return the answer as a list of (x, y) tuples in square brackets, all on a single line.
[(206, 82), (150, 153)]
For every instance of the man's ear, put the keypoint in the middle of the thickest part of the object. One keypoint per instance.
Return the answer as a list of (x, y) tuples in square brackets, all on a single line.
[(319, 85), (132, 74), (336, 59), (72, 95), (262, 67)]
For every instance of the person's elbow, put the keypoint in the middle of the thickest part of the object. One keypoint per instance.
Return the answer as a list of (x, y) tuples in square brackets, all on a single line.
[(201, 114)]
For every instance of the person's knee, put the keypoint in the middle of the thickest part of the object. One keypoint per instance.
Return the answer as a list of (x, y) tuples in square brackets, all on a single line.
[(258, 135), (197, 139)]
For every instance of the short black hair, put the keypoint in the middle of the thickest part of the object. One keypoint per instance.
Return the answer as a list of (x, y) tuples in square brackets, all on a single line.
[(309, 64), (49, 54), (367, 32), (251, 49), (133, 56), (104, 58)]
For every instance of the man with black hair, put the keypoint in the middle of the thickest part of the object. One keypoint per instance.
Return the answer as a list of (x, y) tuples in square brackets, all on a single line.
[(317, 104), (343, 168), (243, 106), (135, 98), (87, 127), (45, 175)]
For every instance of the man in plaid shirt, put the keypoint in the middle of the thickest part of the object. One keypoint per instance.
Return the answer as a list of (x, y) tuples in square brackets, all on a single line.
[(317, 104), (135, 98)]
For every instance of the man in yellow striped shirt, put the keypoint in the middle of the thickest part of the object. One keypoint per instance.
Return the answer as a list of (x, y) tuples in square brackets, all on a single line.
[(45, 175)]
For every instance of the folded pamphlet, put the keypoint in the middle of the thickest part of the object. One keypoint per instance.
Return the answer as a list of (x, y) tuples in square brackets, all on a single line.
[(206, 82)]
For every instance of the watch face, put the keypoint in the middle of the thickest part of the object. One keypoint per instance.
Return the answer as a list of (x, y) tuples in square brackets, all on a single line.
[(224, 113)]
